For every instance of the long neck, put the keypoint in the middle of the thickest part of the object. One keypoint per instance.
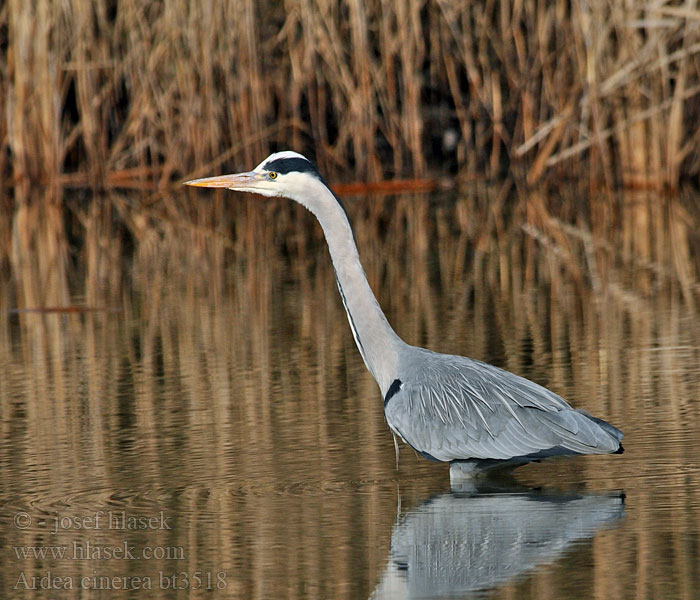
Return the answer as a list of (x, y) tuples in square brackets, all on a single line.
[(378, 343)]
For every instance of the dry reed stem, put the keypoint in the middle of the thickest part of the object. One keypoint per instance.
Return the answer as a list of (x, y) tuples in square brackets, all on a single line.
[(373, 88)]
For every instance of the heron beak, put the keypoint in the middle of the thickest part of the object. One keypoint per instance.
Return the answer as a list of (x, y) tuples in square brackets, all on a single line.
[(237, 181)]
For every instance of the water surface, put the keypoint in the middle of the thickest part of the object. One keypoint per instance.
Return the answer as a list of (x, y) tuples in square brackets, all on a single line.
[(208, 428)]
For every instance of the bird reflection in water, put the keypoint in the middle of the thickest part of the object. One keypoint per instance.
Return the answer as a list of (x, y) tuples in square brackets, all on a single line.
[(471, 540)]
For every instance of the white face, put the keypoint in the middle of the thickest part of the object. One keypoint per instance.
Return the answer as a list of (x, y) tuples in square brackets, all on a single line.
[(262, 180)]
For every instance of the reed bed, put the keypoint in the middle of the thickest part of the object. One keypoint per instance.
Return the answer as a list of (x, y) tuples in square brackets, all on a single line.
[(102, 93)]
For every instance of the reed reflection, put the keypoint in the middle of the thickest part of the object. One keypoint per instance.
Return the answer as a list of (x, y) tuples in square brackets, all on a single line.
[(473, 539), (226, 388)]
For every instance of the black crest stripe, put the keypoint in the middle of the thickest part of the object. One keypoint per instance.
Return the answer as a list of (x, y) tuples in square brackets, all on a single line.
[(289, 165)]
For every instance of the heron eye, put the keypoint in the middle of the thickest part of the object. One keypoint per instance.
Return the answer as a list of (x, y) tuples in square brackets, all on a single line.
[(272, 175)]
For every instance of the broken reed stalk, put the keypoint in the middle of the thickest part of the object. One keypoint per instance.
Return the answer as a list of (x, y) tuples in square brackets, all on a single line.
[(375, 89)]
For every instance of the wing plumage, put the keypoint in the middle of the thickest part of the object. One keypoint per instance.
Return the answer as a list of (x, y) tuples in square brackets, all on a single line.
[(455, 408)]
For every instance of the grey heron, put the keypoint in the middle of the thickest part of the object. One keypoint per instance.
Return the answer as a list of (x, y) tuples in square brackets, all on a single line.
[(447, 408)]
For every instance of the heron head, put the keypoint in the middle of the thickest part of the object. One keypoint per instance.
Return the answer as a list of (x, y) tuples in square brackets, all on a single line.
[(287, 174)]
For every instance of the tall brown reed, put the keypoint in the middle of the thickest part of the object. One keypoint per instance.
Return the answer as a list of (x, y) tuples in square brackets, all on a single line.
[(375, 88)]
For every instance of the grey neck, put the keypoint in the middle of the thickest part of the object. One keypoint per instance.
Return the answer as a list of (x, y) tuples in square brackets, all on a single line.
[(377, 342)]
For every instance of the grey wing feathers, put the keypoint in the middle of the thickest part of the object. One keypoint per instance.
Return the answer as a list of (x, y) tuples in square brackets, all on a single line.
[(455, 408)]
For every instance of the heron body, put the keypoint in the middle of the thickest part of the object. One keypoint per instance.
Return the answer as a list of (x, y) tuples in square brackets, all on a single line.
[(448, 408)]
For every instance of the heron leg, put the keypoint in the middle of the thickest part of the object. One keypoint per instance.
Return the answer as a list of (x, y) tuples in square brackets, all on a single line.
[(396, 448), (463, 470)]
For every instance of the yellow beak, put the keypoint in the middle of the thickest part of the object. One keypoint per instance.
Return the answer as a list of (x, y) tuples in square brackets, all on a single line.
[(237, 181)]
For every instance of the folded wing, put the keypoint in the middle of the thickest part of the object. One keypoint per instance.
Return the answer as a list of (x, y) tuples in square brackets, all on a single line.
[(455, 408)]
